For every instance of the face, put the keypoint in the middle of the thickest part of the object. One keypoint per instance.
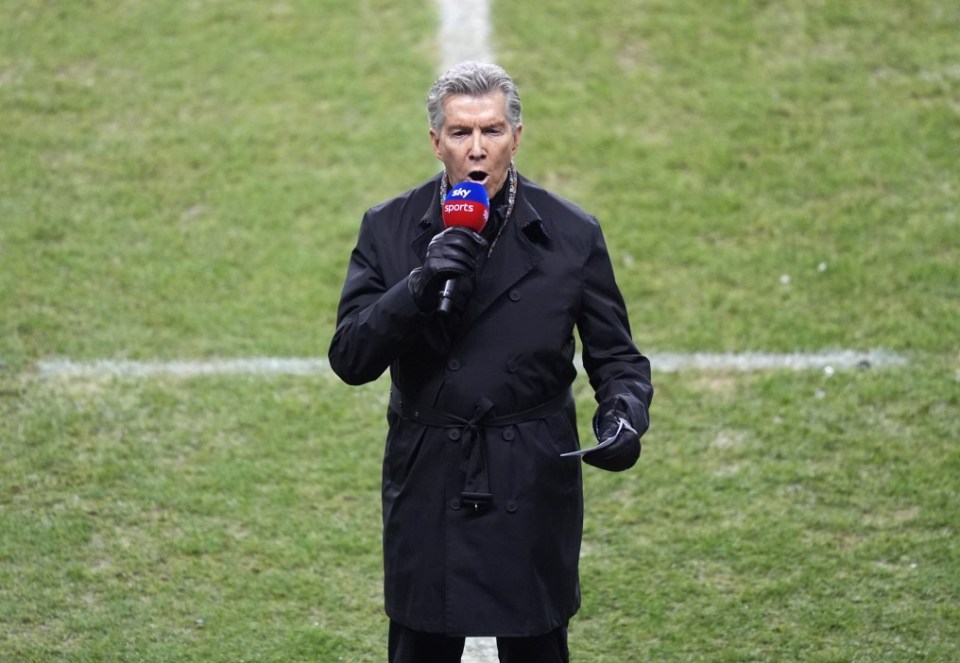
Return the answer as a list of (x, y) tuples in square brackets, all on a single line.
[(476, 141)]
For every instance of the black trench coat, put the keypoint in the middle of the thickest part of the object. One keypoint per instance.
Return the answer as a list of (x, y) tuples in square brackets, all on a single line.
[(508, 565)]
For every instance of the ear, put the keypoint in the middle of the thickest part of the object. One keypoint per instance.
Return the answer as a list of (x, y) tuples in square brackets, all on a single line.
[(516, 139), (435, 141)]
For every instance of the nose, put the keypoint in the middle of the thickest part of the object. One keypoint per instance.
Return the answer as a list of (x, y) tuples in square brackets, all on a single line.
[(477, 151)]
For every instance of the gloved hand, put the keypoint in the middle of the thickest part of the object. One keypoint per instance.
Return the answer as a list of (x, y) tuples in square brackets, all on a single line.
[(624, 452), (450, 254)]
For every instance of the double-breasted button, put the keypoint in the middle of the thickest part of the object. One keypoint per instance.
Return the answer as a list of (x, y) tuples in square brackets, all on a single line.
[(514, 295), (453, 364), (511, 506), (508, 434), (454, 434), (455, 504)]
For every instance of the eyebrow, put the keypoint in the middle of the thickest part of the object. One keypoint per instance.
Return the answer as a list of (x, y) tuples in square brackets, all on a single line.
[(487, 125)]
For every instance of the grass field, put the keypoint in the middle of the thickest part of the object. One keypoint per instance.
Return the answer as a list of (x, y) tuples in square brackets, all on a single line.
[(184, 181)]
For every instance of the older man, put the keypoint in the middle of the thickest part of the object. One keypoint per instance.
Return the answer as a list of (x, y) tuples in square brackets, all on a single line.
[(482, 512)]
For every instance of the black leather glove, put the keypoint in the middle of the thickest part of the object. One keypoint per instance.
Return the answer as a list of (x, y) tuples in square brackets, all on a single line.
[(450, 254), (624, 451)]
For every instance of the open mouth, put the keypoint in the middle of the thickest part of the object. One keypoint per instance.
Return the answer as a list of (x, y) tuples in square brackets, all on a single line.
[(477, 175)]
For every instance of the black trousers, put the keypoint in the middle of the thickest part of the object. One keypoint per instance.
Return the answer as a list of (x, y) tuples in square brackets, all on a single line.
[(409, 646)]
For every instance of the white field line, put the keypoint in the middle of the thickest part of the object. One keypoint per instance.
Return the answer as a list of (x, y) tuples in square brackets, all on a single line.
[(829, 360), (464, 32), (668, 362), (258, 366), (480, 650)]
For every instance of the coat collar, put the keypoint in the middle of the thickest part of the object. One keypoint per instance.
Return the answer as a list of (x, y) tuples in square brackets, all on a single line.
[(519, 250), (525, 217)]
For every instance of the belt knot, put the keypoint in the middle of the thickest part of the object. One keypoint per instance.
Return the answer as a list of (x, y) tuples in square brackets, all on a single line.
[(473, 458), (473, 461)]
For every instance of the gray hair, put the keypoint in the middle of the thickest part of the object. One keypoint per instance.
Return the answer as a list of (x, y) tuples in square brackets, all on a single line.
[(474, 79)]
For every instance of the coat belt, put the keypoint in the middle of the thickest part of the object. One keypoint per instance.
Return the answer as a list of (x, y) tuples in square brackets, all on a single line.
[(476, 485)]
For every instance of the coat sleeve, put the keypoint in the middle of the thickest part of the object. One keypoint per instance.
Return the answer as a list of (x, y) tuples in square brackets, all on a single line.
[(375, 319), (616, 368)]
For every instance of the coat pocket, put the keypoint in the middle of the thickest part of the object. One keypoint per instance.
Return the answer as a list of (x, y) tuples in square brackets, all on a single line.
[(562, 431), (404, 444)]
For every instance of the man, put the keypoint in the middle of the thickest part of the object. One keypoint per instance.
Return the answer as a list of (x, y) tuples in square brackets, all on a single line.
[(482, 515)]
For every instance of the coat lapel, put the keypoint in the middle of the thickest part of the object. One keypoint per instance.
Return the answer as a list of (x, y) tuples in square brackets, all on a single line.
[(513, 257), (429, 225)]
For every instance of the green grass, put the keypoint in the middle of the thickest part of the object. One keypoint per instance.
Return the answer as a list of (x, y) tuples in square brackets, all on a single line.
[(213, 520), (185, 180)]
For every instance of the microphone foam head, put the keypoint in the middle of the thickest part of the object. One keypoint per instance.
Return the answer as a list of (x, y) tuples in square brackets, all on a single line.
[(468, 205)]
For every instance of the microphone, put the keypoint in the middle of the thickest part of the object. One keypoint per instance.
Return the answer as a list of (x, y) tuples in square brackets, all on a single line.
[(467, 205)]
